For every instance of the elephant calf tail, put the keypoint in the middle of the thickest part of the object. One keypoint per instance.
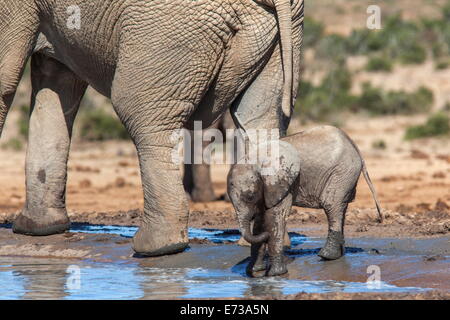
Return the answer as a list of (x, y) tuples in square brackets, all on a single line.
[(372, 189), (367, 178)]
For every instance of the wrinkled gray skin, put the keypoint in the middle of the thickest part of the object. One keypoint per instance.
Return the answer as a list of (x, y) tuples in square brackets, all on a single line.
[(164, 64), (320, 171)]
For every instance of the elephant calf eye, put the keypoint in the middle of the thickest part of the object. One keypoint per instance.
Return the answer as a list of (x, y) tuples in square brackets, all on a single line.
[(249, 197)]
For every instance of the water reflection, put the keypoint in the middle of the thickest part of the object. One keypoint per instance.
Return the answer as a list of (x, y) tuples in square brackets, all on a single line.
[(204, 271)]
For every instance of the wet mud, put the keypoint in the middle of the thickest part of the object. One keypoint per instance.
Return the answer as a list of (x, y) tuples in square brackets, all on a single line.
[(214, 267)]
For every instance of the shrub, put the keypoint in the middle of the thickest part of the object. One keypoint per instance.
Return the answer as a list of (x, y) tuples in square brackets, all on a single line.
[(379, 64), (379, 145), (378, 102), (443, 64), (333, 48), (97, 125), (446, 107), (323, 102), (413, 54), (13, 144), (313, 32), (23, 121), (437, 125)]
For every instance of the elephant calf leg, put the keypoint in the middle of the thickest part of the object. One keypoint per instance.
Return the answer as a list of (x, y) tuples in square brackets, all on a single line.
[(258, 251), (55, 100), (334, 247), (275, 224)]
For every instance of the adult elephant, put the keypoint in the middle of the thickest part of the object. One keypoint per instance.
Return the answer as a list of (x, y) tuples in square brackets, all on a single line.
[(164, 64)]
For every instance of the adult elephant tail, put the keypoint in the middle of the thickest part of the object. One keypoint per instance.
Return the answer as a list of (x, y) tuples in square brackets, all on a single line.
[(284, 14)]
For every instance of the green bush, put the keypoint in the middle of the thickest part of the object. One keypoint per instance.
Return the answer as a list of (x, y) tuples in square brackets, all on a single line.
[(437, 125), (379, 145), (13, 144), (313, 32), (97, 125), (442, 64), (446, 107), (379, 64), (399, 40), (23, 121), (377, 102), (414, 54), (332, 48), (323, 102)]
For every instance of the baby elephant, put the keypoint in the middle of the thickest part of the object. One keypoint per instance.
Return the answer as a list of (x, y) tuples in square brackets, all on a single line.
[(318, 168)]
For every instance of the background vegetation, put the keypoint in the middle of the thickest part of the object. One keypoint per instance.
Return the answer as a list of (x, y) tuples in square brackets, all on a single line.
[(336, 93)]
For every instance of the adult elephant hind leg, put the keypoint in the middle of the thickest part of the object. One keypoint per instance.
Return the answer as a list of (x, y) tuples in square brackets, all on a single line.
[(153, 128), (56, 96), (197, 176), (334, 246)]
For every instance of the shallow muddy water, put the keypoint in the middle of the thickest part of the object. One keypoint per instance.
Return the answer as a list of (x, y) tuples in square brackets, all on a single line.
[(217, 269)]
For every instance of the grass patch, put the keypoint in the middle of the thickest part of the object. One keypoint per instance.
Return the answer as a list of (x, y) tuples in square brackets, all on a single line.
[(332, 97), (379, 102), (313, 32), (15, 144), (98, 125), (437, 125), (23, 121), (323, 102), (379, 145), (379, 64)]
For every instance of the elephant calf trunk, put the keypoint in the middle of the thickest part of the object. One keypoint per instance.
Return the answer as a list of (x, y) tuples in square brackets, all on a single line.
[(249, 237), (262, 237)]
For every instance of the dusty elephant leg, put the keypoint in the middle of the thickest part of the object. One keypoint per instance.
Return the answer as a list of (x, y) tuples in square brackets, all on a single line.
[(163, 228), (275, 223), (197, 176), (56, 96), (334, 247), (164, 225), (258, 251), (197, 182)]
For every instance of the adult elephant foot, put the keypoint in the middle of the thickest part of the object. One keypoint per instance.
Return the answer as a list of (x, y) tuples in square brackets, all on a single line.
[(55, 99), (162, 241), (164, 223), (41, 222), (334, 247)]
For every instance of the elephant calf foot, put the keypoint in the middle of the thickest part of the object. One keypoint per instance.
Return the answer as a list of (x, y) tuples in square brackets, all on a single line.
[(277, 267), (41, 222), (255, 267), (334, 248), (159, 241)]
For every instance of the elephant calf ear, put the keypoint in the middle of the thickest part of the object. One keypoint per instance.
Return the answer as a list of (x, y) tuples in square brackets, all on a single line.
[(279, 174)]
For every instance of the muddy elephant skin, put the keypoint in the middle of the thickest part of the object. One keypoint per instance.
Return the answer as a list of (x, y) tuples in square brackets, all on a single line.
[(319, 169)]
